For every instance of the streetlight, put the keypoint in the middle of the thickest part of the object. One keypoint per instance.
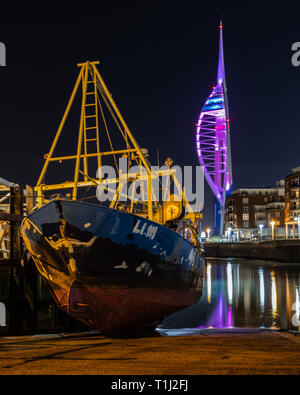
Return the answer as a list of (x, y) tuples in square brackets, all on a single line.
[(229, 233), (260, 230), (208, 232), (237, 236), (273, 224), (298, 219)]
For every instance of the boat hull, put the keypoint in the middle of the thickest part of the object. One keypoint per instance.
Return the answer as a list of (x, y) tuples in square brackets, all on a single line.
[(114, 271)]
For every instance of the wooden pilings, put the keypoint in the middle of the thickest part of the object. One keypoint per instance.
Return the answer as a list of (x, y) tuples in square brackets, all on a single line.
[(16, 286), (21, 304)]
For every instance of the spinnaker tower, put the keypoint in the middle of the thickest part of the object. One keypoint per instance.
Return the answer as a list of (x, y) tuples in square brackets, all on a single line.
[(213, 142)]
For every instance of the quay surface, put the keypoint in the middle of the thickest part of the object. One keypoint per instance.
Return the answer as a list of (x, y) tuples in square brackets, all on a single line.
[(273, 250), (247, 352)]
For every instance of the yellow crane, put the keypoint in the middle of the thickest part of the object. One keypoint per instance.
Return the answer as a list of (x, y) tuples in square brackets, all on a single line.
[(95, 143)]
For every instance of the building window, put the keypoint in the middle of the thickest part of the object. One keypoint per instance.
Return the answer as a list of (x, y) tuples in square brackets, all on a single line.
[(245, 209), (245, 200), (245, 224), (277, 214), (245, 217)]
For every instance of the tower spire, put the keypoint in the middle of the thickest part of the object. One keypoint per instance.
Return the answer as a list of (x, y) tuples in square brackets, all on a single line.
[(221, 66)]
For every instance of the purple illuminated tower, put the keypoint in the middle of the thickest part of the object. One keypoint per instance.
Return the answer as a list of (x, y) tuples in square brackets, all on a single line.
[(213, 142)]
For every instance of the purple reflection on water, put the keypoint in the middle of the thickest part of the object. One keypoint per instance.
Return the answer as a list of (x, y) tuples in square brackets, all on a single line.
[(221, 317), (230, 322), (253, 294)]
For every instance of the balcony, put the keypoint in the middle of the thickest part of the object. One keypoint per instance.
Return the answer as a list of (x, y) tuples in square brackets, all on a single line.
[(259, 210), (259, 217), (259, 222), (294, 185), (275, 206)]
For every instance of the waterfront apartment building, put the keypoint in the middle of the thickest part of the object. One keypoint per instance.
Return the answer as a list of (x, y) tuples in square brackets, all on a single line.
[(292, 203), (251, 210)]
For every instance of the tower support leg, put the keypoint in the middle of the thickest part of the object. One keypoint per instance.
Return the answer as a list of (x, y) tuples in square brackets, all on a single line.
[(218, 219)]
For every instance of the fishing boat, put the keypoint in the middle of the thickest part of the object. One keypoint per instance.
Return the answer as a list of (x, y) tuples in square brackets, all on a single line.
[(127, 256)]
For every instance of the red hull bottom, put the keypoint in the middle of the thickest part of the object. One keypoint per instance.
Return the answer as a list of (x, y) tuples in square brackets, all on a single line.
[(120, 310)]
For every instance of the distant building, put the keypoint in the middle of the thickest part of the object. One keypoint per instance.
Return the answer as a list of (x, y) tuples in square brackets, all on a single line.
[(250, 209), (292, 203)]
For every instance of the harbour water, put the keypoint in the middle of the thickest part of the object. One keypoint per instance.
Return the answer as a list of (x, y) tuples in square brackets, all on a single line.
[(241, 294)]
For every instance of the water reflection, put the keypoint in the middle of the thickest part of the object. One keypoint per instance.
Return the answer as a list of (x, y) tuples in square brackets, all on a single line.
[(274, 299), (208, 282), (261, 289), (296, 306), (244, 294)]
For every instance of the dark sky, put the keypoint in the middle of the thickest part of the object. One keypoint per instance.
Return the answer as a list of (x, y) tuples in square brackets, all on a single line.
[(159, 60)]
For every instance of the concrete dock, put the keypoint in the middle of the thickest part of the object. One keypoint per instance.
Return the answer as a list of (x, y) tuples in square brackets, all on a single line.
[(250, 352), (277, 250)]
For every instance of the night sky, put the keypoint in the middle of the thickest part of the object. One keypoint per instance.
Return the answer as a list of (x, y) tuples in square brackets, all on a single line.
[(159, 60)]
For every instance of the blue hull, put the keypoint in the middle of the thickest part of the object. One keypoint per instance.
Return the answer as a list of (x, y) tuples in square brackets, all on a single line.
[(114, 271)]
